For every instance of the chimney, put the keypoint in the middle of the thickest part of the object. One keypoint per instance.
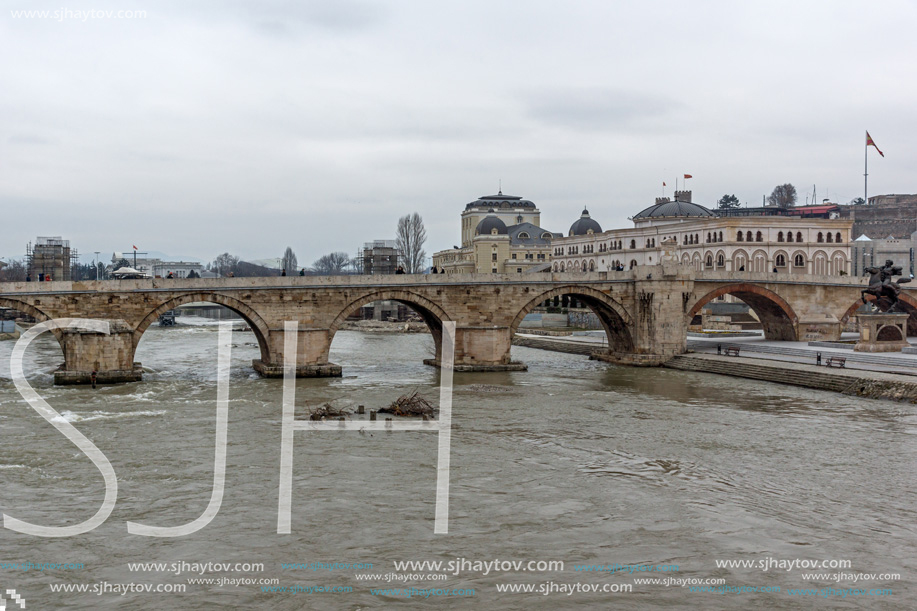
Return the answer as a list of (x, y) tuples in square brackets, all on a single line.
[(661, 200), (683, 196)]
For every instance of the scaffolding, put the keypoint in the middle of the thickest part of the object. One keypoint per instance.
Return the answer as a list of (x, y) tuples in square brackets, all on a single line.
[(50, 256), (381, 257)]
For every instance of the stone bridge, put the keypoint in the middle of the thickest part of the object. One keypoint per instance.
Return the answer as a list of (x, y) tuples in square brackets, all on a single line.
[(645, 311)]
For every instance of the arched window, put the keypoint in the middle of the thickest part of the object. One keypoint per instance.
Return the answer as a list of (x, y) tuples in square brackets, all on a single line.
[(740, 236), (837, 238), (781, 261), (780, 236), (519, 219), (720, 261), (710, 261), (633, 263), (696, 238), (708, 237), (584, 268), (830, 237), (685, 241), (523, 235), (633, 243), (799, 236), (556, 266), (799, 261), (592, 266), (821, 237), (561, 266), (720, 238), (789, 236), (748, 236), (759, 237)]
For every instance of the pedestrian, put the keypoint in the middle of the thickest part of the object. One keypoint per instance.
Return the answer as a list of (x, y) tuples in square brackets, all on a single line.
[(92, 378), (232, 275), (775, 270), (28, 277), (434, 270), (742, 268), (170, 275), (283, 272), (47, 277), (400, 270), (442, 270), (302, 272)]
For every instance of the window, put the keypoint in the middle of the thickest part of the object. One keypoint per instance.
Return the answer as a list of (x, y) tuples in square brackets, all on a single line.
[(837, 238), (759, 237), (780, 236), (710, 261), (720, 261), (519, 219), (821, 237), (514, 256), (830, 237), (799, 236), (748, 236), (523, 235), (518, 270), (493, 271), (633, 263), (561, 266), (799, 261), (696, 238), (592, 266), (781, 261), (493, 257), (708, 237), (633, 243), (740, 236), (720, 238), (789, 236)]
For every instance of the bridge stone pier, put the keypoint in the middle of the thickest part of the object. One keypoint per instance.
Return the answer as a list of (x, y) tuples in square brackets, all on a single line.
[(645, 312)]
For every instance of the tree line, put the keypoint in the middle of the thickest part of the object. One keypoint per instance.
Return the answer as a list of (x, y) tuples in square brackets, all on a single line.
[(411, 235)]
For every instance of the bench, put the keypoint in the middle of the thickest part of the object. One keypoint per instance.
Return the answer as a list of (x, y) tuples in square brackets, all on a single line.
[(836, 361), (732, 351)]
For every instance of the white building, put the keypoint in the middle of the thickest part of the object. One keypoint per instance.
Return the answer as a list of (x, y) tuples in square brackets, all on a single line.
[(705, 240)]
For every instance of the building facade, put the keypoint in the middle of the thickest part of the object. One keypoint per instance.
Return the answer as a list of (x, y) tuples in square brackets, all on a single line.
[(50, 256), (500, 235), (380, 257), (698, 237)]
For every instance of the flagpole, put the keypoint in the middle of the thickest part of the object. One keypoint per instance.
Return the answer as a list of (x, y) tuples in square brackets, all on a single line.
[(866, 171)]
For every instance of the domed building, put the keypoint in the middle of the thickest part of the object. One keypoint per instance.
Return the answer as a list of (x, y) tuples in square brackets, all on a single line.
[(500, 234), (786, 241)]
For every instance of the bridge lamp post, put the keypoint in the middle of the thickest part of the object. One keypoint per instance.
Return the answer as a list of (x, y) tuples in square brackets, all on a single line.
[(97, 263)]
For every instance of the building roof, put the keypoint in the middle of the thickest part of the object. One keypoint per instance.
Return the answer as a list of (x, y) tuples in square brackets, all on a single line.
[(500, 201), (673, 209), (584, 225), (518, 232), (489, 223)]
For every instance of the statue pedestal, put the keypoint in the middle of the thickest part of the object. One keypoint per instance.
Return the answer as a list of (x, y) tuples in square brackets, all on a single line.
[(882, 332)]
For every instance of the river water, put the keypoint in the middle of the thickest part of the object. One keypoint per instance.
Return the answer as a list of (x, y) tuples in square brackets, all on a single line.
[(573, 461)]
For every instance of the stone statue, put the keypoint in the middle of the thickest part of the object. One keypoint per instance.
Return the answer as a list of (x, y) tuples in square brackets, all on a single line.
[(882, 287)]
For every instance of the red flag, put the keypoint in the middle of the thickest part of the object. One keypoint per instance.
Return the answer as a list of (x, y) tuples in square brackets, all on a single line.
[(688, 176), (869, 142), (663, 183), (135, 248)]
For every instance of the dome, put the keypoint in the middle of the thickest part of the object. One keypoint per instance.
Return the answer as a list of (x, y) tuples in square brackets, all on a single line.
[(673, 209), (585, 225), (489, 223)]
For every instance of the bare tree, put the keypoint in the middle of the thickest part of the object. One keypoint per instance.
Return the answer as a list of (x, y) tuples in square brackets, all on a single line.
[(784, 196), (332, 264), (225, 263), (410, 239), (14, 271), (288, 262)]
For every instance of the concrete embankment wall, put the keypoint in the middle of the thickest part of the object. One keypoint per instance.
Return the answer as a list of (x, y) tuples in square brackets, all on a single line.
[(875, 385), (848, 381)]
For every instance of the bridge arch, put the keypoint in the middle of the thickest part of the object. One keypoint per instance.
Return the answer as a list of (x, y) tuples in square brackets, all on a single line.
[(776, 315), (432, 314), (614, 317), (254, 320)]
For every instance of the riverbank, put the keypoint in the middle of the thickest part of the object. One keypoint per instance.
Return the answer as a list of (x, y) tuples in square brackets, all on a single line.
[(788, 370), (379, 326)]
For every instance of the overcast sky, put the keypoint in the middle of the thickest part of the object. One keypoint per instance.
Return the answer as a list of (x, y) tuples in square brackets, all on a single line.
[(206, 127)]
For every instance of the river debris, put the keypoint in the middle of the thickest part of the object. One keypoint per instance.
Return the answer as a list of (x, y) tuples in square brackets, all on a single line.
[(409, 405), (326, 412)]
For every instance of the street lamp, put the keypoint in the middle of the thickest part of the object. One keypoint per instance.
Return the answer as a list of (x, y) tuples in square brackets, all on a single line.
[(97, 263)]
